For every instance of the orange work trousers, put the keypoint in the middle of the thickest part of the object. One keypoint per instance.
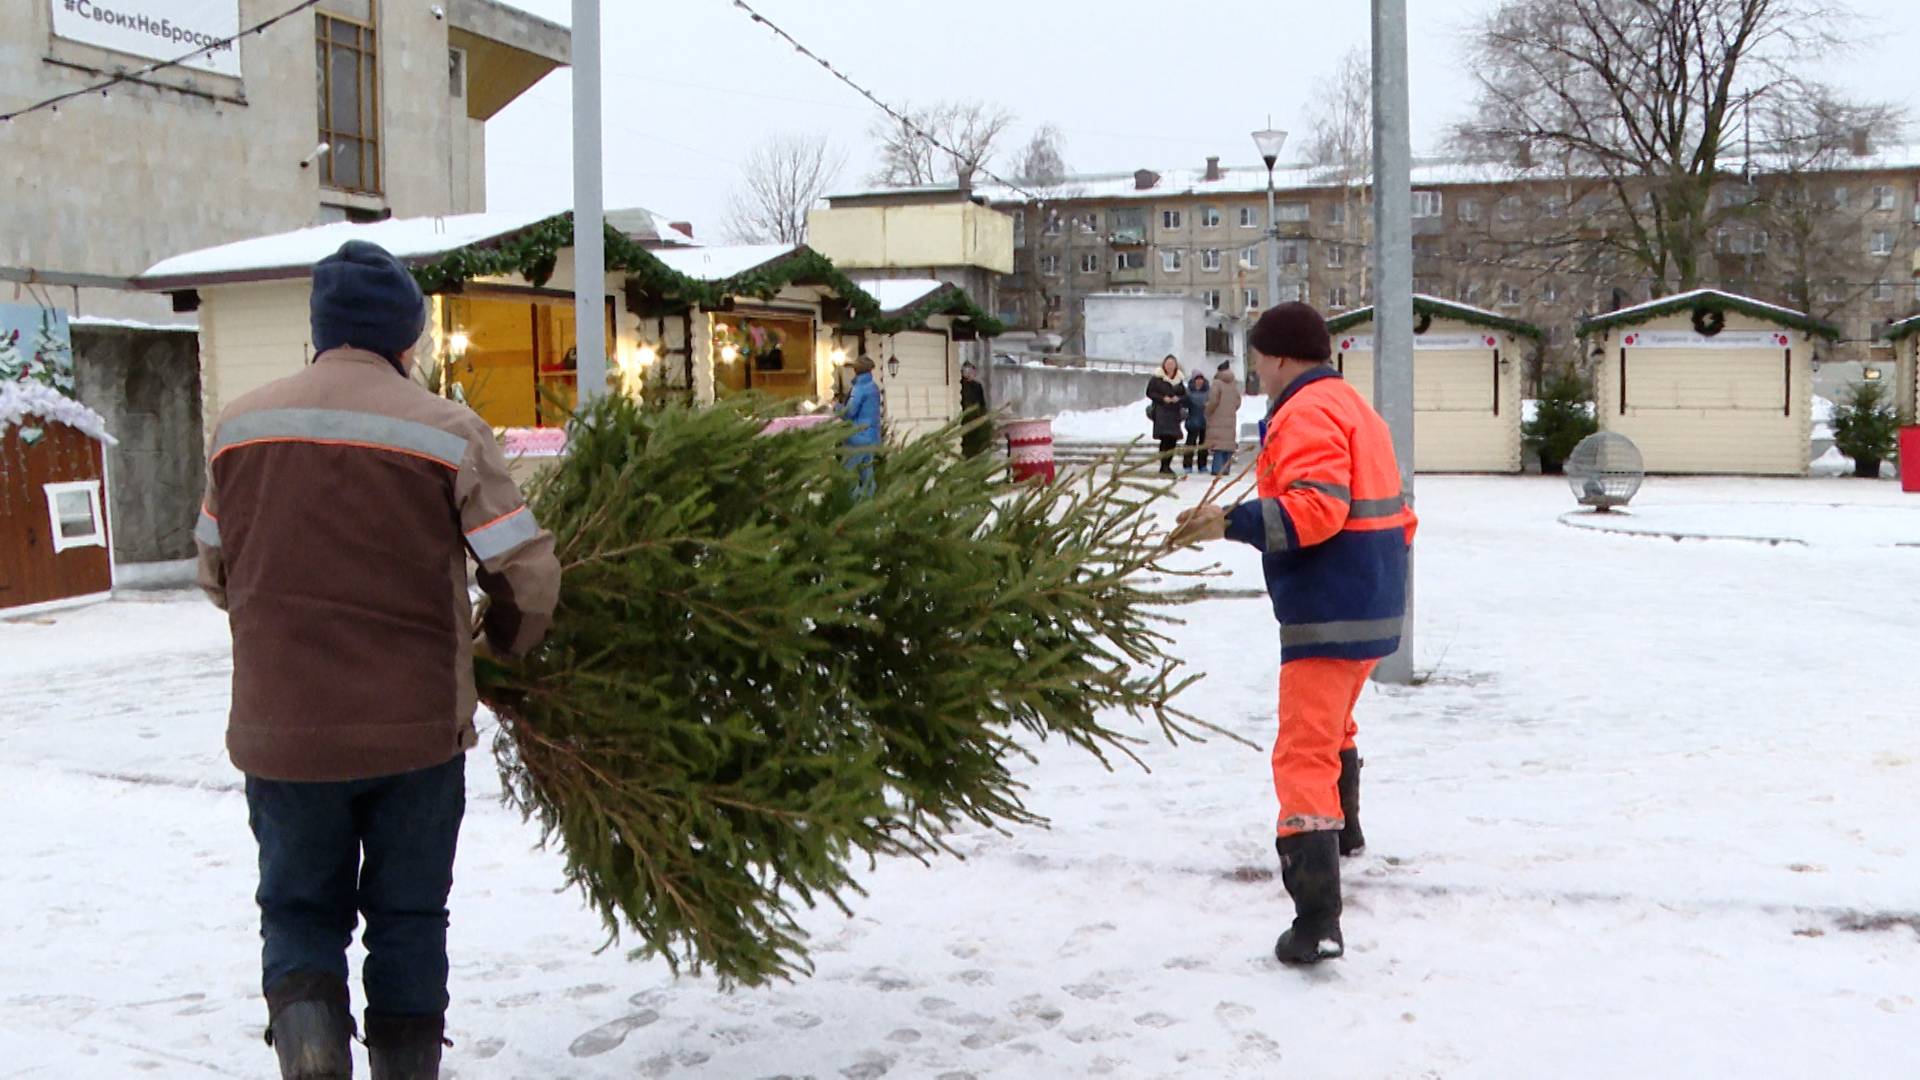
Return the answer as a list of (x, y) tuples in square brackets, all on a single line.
[(1317, 696)]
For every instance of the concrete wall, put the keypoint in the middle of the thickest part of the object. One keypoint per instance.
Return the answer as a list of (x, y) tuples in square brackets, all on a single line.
[(1147, 328), (1023, 390), (146, 383), (111, 185), (923, 235)]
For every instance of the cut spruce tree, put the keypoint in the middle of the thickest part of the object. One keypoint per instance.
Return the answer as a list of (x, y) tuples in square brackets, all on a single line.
[(757, 681)]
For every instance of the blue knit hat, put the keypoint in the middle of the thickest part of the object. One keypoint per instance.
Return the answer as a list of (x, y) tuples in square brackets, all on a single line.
[(365, 298)]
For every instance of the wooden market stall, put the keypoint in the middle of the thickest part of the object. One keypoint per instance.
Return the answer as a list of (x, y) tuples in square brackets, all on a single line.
[(1905, 335), (1466, 381), (1708, 382), (698, 323), (54, 544)]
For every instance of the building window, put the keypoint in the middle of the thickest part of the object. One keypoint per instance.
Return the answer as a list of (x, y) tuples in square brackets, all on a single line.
[(1090, 221), (1509, 295), (1469, 210), (1426, 204), (1170, 261), (1883, 291), (1292, 211), (1209, 217), (1090, 263), (1551, 292), (1127, 226), (349, 97), (1883, 197), (1169, 219), (1250, 258), (1337, 296), (1291, 292), (1336, 255), (1251, 301), (1290, 253), (1129, 260), (1554, 206), (1052, 227), (1050, 264), (1830, 292), (73, 509), (1053, 302), (1020, 229), (1469, 293), (1212, 297), (1337, 213), (1210, 260), (1840, 197), (1881, 242), (1511, 208), (1249, 217)]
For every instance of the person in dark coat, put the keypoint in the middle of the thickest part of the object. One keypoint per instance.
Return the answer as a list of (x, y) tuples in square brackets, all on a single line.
[(1195, 458), (978, 439), (1167, 408)]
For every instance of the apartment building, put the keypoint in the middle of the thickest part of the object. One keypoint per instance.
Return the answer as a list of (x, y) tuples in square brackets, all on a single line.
[(347, 110), (1485, 234)]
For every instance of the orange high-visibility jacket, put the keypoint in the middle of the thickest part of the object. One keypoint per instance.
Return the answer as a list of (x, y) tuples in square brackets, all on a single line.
[(1331, 521)]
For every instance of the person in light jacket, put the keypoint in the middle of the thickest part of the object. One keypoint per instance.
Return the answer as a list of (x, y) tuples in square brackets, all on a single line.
[(1223, 419), (1167, 409), (343, 505), (1195, 457), (862, 410)]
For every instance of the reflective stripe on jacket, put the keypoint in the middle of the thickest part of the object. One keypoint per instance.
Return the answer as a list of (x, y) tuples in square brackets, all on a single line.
[(1331, 523), (342, 504)]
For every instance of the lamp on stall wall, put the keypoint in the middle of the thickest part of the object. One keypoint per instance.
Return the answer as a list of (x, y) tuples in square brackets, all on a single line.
[(893, 367)]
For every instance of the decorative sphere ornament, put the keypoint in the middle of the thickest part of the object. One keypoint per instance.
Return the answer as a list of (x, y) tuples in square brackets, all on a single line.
[(1605, 470)]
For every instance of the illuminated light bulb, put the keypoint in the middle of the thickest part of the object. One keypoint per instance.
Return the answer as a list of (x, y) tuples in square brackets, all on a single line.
[(648, 356), (729, 354), (458, 341)]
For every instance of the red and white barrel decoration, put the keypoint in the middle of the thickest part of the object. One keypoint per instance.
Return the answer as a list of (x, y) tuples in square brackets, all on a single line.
[(1030, 448)]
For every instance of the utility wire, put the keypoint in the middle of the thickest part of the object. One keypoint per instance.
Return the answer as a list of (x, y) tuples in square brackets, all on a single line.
[(53, 103), (899, 117)]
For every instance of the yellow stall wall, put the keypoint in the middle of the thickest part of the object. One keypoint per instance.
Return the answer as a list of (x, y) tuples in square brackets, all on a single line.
[(1466, 409)]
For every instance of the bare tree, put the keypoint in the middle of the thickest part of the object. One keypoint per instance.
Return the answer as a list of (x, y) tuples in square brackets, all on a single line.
[(1042, 163), (1340, 131), (1641, 99), (782, 178), (946, 142)]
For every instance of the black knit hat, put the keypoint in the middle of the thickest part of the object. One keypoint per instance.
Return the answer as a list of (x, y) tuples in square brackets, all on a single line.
[(1225, 365), (1293, 331), (364, 297)]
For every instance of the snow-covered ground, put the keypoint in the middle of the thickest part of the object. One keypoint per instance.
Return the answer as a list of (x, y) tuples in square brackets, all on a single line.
[(1652, 816), (1125, 423)]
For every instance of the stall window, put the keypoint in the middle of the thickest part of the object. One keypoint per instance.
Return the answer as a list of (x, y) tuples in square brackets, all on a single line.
[(74, 512), (511, 357), (771, 354)]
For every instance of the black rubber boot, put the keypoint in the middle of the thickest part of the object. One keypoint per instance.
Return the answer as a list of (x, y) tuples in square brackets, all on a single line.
[(405, 1047), (1310, 869), (1352, 840), (309, 1026)]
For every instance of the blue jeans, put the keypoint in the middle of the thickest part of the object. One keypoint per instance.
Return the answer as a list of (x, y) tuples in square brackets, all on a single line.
[(383, 847), (1222, 461)]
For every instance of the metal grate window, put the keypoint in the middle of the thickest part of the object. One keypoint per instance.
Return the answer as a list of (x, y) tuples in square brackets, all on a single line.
[(349, 97)]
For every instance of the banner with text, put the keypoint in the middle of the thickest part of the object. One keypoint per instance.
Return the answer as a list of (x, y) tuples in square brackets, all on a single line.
[(1421, 342), (157, 29), (1688, 339)]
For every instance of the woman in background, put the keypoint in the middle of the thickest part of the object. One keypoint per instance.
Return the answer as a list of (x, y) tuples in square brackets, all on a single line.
[(1167, 408)]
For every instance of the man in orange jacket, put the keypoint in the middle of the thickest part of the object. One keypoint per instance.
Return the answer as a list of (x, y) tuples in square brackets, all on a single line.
[(1333, 531)]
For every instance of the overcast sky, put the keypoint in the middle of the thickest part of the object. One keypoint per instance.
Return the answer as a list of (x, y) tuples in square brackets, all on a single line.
[(691, 84)]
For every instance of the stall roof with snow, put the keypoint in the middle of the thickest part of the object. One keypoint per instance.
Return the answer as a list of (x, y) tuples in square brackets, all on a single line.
[(1702, 302), (1434, 307)]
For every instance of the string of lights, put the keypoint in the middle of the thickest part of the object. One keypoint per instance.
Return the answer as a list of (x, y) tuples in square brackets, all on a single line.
[(104, 86), (906, 122)]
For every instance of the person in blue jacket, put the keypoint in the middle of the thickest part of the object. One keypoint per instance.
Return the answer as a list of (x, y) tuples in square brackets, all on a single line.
[(862, 410)]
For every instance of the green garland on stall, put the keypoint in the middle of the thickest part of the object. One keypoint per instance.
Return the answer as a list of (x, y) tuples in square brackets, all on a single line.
[(1714, 301), (533, 253), (1440, 309), (943, 301)]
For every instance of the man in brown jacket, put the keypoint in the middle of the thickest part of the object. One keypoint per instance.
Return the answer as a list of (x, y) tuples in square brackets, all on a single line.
[(1223, 419), (342, 506)]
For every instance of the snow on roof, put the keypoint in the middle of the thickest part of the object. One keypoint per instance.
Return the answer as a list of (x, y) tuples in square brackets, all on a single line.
[(189, 327), (1680, 299), (291, 254), (898, 294), (24, 402), (1426, 173), (1445, 308), (721, 263), (1900, 328)]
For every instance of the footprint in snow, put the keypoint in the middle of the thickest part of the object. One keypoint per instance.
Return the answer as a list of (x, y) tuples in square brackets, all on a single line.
[(870, 1066), (798, 1021), (611, 1034), (485, 1049), (1157, 1020)]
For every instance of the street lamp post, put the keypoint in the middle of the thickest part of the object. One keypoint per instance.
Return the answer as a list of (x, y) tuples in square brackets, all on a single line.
[(1269, 141)]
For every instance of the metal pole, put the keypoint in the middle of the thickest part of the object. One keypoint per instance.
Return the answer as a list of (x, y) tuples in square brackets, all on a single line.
[(1393, 271), (1273, 245), (589, 217)]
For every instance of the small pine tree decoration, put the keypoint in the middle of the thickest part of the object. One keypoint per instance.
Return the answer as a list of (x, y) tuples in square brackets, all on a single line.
[(757, 678), (13, 366), (1564, 417), (1865, 427)]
